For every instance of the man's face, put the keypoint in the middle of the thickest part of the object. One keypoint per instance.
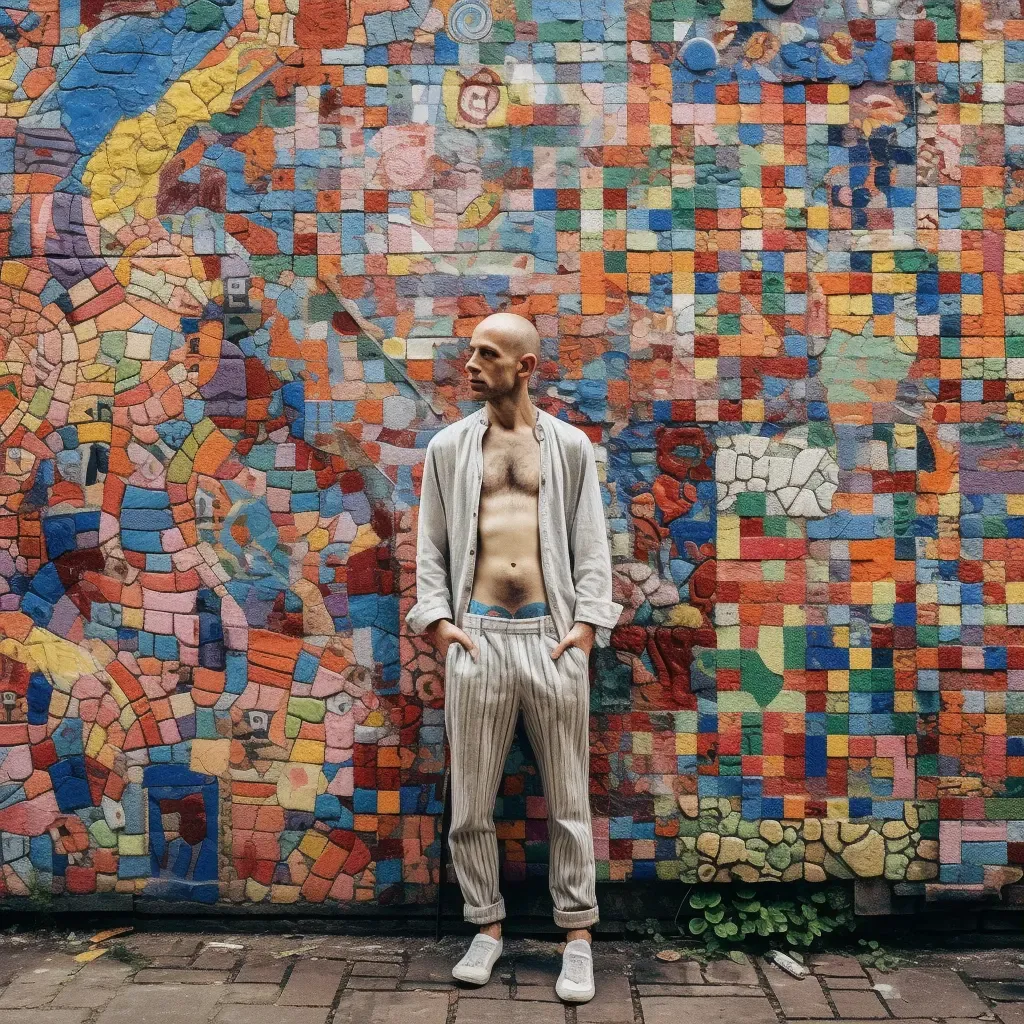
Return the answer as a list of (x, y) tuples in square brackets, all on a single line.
[(492, 365)]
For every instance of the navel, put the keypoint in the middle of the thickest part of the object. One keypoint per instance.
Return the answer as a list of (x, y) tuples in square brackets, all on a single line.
[(513, 564)]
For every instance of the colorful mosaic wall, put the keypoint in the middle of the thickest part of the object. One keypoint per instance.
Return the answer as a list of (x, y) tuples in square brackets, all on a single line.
[(776, 254)]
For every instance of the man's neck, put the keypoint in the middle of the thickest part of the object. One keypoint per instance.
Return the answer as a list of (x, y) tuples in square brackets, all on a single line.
[(513, 413)]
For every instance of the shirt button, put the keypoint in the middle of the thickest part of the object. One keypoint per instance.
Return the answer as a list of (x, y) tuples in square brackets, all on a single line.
[(472, 551)]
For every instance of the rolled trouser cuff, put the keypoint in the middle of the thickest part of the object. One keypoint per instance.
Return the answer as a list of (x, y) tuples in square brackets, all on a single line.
[(576, 918), (484, 915)]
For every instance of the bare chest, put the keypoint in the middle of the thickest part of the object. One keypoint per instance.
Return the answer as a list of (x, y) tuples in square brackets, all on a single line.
[(511, 466)]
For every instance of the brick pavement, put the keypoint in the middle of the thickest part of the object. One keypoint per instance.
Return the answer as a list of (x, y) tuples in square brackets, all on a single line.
[(330, 979)]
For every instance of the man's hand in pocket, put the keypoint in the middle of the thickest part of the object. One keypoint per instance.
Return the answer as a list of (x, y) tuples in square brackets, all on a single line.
[(443, 633), (581, 635)]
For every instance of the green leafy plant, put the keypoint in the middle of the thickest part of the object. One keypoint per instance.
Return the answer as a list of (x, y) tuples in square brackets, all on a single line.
[(740, 916), (872, 954), (648, 928), (41, 901)]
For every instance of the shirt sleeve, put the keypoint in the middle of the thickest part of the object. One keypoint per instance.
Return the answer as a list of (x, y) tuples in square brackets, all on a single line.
[(592, 562), (433, 581)]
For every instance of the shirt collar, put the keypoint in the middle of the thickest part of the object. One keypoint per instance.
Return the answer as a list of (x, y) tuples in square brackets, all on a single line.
[(538, 428)]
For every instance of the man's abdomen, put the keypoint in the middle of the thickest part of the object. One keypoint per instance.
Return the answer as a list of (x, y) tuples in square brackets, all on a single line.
[(508, 567)]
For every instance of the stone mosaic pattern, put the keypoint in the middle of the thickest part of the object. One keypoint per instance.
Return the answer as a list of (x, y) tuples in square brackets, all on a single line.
[(778, 277)]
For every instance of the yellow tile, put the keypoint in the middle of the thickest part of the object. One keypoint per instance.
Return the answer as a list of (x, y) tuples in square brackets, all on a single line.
[(837, 746), (860, 657), (686, 743), (903, 702), (838, 680), (817, 218), (728, 539)]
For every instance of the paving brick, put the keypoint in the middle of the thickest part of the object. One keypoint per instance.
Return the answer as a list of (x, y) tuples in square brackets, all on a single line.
[(664, 1009), (1010, 1013), (536, 993), (34, 988), (163, 1004), (272, 1015), (903, 1020), (655, 972), (354, 947), (1002, 991), (93, 986), (496, 988), (837, 966), (927, 992), (701, 991), (538, 970), (262, 973), (372, 969), (167, 976), (858, 1003), (373, 984), (249, 993), (397, 1008), (798, 997), (728, 972), (429, 965), (845, 983), (482, 1011), (216, 960), (996, 968), (19, 959), (313, 983), (611, 1004), (49, 1016)]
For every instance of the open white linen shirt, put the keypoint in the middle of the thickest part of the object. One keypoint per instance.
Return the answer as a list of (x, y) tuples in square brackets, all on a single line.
[(574, 552)]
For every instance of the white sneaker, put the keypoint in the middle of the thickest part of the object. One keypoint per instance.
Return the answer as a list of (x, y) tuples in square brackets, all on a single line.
[(475, 966), (576, 982)]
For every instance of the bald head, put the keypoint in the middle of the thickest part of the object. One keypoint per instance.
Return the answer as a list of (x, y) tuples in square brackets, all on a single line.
[(513, 333), (503, 354)]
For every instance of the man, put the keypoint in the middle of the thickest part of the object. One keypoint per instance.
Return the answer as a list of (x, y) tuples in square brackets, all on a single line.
[(513, 577)]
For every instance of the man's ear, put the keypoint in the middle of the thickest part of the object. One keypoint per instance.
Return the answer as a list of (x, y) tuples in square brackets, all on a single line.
[(527, 364)]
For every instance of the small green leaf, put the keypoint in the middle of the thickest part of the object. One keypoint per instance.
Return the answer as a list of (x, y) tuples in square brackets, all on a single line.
[(698, 926)]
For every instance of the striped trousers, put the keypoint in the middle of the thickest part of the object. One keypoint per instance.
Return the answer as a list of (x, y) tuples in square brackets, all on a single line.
[(483, 698)]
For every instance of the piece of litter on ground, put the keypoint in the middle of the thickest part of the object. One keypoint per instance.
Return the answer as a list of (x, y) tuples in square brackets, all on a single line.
[(111, 933), (669, 955), (224, 945), (786, 963), (90, 954)]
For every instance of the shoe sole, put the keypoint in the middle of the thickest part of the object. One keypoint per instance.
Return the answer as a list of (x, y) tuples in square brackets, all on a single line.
[(473, 981), (580, 998)]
